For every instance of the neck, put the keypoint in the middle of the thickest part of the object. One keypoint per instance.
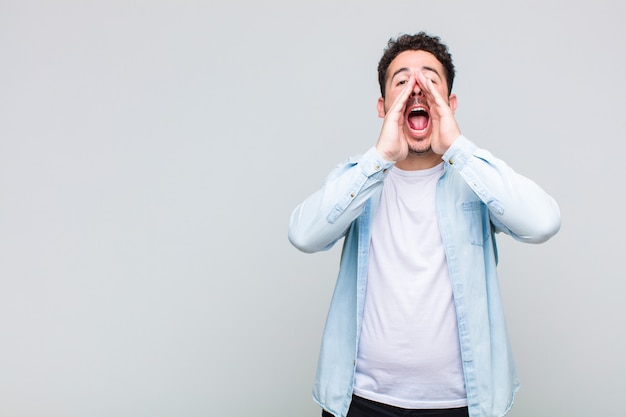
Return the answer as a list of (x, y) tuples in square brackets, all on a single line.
[(417, 161)]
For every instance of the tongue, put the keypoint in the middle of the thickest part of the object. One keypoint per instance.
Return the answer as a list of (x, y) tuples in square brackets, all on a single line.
[(418, 122)]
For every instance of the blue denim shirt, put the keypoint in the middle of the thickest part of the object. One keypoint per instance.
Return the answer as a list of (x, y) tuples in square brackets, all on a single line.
[(477, 196)]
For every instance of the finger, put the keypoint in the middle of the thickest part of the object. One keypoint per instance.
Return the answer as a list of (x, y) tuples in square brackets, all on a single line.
[(400, 102), (426, 84)]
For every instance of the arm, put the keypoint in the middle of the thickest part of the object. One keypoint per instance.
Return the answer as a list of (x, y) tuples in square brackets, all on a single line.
[(517, 205), (323, 218)]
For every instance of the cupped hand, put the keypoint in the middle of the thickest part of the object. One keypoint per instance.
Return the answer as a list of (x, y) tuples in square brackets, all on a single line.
[(443, 124), (392, 143)]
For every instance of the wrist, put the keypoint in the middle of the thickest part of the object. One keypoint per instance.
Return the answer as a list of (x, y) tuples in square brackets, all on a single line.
[(385, 154)]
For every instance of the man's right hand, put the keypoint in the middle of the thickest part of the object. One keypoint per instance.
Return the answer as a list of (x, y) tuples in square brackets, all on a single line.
[(392, 143)]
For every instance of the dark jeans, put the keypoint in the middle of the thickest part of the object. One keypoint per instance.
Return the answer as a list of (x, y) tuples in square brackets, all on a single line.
[(361, 407)]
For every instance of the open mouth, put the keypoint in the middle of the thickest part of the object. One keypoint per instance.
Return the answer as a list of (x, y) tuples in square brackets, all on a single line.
[(418, 118)]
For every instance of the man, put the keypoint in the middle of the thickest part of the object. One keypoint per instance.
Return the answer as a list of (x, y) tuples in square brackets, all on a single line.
[(416, 326)]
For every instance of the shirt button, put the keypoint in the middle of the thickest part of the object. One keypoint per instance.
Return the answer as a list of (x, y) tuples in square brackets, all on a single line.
[(377, 167), (352, 195), (451, 161)]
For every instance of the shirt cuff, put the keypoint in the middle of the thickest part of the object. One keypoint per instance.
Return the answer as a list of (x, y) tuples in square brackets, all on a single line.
[(460, 152), (372, 163)]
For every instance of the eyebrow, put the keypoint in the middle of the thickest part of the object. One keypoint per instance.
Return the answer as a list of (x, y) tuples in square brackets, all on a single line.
[(404, 69)]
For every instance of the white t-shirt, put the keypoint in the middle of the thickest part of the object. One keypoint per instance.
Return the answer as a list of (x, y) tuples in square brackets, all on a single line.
[(409, 353)]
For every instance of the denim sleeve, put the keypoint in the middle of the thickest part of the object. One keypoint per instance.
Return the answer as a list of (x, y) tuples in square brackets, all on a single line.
[(517, 205), (324, 217)]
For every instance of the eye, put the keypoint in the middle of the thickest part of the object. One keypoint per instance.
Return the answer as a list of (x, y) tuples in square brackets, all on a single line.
[(402, 82)]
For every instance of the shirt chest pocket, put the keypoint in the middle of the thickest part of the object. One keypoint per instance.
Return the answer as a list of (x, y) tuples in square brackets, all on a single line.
[(474, 214)]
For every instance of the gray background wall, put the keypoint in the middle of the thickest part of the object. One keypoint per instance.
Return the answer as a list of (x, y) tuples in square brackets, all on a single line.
[(152, 151)]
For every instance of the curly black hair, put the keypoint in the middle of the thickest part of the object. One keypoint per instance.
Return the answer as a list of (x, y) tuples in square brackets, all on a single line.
[(419, 42)]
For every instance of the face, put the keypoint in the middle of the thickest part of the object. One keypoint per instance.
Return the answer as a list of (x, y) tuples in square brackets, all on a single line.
[(417, 121)]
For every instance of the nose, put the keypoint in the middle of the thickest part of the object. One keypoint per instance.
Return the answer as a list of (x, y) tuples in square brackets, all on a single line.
[(417, 91)]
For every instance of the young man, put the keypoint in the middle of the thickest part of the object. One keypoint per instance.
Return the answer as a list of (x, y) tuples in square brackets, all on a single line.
[(416, 326)]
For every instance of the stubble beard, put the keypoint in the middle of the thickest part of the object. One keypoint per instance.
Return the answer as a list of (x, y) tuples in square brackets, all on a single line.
[(416, 152), (417, 147), (419, 152)]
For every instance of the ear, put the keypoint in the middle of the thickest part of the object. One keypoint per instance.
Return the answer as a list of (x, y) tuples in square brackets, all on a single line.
[(453, 101), (380, 106)]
